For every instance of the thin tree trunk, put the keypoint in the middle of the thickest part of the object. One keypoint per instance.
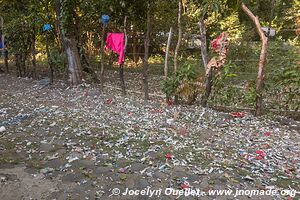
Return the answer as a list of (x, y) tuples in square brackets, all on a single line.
[(122, 80), (49, 59), (102, 58), (18, 65), (271, 17), (178, 42), (146, 56), (134, 49), (121, 68), (5, 52), (6, 60), (60, 37), (83, 58), (23, 64), (179, 35), (203, 45), (33, 54), (204, 55), (167, 53), (208, 88), (262, 61)]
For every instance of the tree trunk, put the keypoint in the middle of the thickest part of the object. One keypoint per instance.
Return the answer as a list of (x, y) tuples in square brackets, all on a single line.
[(49, 60), (6, 60), (83, 58), (70, 45), (33, 54), (60, 37), (146, 56), (262, 61), (102, 58), (179, 35), (208, 88), (178, 42), (23, 63), (18, 65), (203, 45), (74, 65), (204, 55), (122, 80), (121, 67), (135, 49), (167, 53)]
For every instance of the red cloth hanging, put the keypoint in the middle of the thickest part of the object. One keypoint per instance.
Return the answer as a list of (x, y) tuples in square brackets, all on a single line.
[(115, 42)]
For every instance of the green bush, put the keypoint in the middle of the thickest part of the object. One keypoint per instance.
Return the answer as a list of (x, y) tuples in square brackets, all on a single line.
[(185, 83), (58, 59)]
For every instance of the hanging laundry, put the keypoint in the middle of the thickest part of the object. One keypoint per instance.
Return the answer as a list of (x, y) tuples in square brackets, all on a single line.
[(115, 42)]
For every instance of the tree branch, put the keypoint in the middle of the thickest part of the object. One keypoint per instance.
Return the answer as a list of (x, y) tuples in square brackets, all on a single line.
[(256, 22)]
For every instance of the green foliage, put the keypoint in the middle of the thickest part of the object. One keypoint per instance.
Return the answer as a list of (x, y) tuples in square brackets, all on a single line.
[(285, 88), (184, 83), (230, 88), (233, 27), (221, 80), (67, 15), (58, 59), (283, 83), (235, 85)]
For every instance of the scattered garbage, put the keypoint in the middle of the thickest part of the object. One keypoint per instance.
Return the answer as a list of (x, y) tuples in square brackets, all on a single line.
[(169, 156), (15, 120), (172, 145), (46, 170), (44, 82), (248, 178), (260, 154), (124, 169), (2, 129), (72, 158), (237, 114), (85, 93), (3, 179), (267, 134), (109, 101)]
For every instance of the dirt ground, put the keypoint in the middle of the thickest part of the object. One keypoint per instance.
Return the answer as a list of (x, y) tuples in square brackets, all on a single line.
[(58, 142)]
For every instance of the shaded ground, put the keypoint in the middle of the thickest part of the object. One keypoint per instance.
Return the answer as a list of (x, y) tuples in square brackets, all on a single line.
[(79, 143)]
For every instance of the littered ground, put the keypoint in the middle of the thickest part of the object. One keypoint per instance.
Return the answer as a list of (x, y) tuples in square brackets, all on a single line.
[(82, 143)]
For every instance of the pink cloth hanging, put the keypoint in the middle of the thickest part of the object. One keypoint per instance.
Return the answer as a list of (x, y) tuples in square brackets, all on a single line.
[(115, 42)]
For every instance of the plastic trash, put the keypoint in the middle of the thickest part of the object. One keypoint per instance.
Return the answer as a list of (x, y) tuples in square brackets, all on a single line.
[(2, 129)]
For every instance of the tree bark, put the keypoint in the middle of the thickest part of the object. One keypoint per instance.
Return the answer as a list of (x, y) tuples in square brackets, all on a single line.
[(33, 54), (6, 60), (203, 45), (86, 67), (146, 56), (167, 53), (70, 46), (74, 65), (179, 35), (60, 37), (262, 61), (18, 64), (135, 49), (102, 59), (49, 59), (122, 80), (204, 55), (208, 88), (121, 68)]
